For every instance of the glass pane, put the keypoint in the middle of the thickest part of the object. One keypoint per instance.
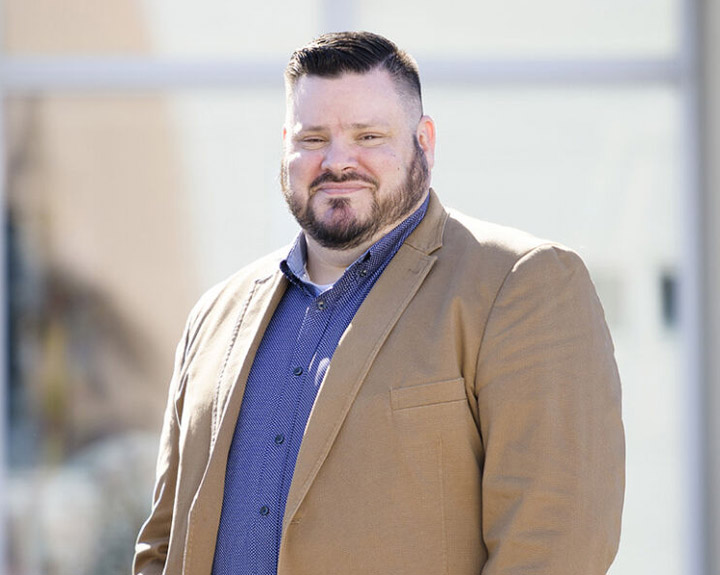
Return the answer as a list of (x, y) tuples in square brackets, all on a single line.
[(100, 274), (599, 171), (221, 28), (527, 28)]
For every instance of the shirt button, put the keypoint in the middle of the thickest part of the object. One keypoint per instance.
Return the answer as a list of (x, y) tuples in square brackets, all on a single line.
[(297, 370), (279, 439), (264, 510), (320, 305), (363, 272)]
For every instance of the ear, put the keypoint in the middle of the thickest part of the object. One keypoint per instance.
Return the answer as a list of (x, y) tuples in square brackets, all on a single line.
[(426, 136)]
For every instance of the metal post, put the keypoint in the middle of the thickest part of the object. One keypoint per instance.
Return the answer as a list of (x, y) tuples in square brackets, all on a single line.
[(695, 532), (4, 387)]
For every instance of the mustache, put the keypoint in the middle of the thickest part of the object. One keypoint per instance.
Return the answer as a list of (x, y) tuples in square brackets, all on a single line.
[(329, 177)]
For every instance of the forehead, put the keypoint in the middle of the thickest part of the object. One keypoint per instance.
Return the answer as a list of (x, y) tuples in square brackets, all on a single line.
[(346, 98)]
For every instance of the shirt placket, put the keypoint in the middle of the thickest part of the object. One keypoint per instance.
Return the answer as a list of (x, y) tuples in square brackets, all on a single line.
[(284, 437)]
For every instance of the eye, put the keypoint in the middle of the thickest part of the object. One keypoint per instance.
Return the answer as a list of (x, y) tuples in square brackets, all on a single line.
[(370, 138), (312, 141)]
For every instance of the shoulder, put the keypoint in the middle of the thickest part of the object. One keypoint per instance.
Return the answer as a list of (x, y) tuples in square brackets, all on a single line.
[(521, 271), (491, 262), (486, 238), (488, 246)]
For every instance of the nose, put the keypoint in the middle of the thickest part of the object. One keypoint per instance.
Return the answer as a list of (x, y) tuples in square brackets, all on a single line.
[(339, 156)]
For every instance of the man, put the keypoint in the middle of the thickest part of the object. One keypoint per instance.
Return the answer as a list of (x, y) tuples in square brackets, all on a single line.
[(403, 391)]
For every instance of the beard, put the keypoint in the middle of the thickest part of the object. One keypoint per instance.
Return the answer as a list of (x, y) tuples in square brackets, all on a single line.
[(343, 229)]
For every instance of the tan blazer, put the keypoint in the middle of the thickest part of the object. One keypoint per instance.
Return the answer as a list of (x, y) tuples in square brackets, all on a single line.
[(469, 422)]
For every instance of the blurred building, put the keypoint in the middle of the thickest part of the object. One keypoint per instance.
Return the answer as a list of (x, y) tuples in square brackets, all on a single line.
[(141, 151)]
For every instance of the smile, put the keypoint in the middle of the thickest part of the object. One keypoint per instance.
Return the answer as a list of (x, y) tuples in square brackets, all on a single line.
[(341, 188)]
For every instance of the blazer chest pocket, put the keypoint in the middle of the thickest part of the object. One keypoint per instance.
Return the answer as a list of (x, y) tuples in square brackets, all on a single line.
[(428, 394)]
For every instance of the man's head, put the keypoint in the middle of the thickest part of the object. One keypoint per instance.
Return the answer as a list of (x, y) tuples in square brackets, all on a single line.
[(357, 149)]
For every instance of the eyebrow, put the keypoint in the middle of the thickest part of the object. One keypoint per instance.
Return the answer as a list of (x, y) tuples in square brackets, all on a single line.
[(355, 126), (311, 129), (364, 126)]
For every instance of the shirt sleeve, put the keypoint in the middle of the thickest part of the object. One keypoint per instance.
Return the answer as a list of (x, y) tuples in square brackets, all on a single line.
[(550, 415)]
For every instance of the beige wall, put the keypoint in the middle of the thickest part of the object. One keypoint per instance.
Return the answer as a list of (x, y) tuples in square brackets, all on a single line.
[(96, 190)]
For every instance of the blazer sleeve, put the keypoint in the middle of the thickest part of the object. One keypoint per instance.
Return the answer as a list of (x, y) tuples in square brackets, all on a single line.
[(550, 415), (153, 539)]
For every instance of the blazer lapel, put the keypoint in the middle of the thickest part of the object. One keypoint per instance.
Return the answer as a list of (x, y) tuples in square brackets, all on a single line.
[(355, 354), (246, 336)]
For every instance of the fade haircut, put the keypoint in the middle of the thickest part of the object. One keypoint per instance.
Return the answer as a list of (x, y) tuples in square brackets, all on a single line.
[(337, 53)]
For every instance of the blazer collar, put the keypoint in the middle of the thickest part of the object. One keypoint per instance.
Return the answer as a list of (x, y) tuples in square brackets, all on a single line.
[(427, 237)]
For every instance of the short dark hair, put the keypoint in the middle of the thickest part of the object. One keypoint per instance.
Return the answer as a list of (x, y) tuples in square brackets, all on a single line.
[(337, 53)]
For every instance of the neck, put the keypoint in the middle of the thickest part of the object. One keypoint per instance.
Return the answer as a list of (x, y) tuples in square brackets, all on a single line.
[(325, 265)]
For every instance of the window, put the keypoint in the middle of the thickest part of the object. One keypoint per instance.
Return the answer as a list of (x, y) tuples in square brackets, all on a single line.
[(142, 147)]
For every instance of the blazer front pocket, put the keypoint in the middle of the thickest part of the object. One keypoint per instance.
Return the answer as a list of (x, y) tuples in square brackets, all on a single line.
[(428, 394)]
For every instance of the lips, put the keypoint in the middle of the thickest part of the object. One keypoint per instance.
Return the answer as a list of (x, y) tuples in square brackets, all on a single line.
[(347, 183), (334, 189)]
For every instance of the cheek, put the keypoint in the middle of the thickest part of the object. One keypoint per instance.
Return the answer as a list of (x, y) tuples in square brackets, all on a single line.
[(387, 165), (302, 165)]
